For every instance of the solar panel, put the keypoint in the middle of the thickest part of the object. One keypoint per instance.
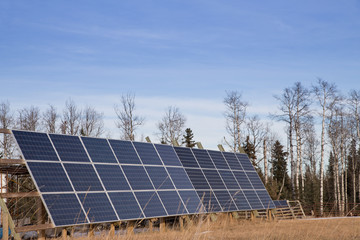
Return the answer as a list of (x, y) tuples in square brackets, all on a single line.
[(35, 146), (93, 180), (50, 177), (69, 148), (99, 150), (150, 204)]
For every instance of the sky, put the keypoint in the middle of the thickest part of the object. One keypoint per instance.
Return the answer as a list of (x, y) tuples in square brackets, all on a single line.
[(181, 53)]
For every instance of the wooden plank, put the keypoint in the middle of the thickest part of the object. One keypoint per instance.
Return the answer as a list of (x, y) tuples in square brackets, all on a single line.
[(11, 224), (34, 227), (19, 194), (162, 225), (64, 234), (112, 230), (5, 223), (5, 131), (12, 161)]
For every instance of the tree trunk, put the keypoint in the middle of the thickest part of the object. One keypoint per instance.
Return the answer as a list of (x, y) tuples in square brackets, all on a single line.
[(297, 160), (322, 163), (265, 163)]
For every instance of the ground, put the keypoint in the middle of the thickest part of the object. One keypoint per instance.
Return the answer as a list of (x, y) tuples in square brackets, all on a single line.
[(347, 228)]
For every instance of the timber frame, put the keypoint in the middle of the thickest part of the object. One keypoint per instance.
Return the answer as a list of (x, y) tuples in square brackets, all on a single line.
[(16, 167)]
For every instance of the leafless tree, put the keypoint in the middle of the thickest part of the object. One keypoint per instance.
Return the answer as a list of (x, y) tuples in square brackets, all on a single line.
[(287, 107), (326, 94), (71, 119), (50, 118), (302, 112), (235, 116), (171, 125), (92, 123), (6, 121), (127, 120), (29, 118)]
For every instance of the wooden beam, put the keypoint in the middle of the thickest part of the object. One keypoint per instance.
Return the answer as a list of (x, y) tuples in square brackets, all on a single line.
[(112, 230), (5, 131), (35, 227), (148, 139), (64, 234), (221, 148), (199, 145), (162, 225), (5, 223), (19, 194), (11, 161)]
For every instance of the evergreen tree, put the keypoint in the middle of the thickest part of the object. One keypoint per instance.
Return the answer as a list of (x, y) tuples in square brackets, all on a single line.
[(279, 168), (188, 138), (249, 149)]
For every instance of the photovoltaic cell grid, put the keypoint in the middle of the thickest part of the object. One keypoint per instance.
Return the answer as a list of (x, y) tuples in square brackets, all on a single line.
[(90, 180)]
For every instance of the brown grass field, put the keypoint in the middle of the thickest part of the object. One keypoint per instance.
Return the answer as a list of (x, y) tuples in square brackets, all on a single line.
[(243, 229)]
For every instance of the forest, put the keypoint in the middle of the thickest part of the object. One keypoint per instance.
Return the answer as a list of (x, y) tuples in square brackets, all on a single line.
[(317, 162)]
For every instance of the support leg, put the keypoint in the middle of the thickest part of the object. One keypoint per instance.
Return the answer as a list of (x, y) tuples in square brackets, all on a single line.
[(162, 225)]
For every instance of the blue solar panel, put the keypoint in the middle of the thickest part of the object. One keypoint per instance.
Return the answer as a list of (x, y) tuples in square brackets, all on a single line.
[(150, 204), (232, 161), (203, 158), (124, 152), (125, 205), (35, 146), (172, 202), (159, 177), (50, 177), (83, 177), (98, 207), (64, 209), (265, 199), (229, 179), (214, 179), (168, 155), (180, 178), (255, 180), (240, 200), (253, 199), (192, 202), (69, 148), (99, 150), (209, 201), (242, 180), (225, 200), (112, 177), (197, 178), (218, 159), (147, 153), (245, 162), (137, 177), (186, 157)]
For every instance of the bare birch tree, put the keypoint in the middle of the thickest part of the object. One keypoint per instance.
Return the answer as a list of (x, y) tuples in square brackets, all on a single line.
[(49, 119), (92, 123), (6, 121), (235, 116), (171, 125), (29, 118), (127, 120), (326, 94), (71, 119), (287, 106)]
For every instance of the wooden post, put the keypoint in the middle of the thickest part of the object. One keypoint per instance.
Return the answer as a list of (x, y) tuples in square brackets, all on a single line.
[(40, 218), (64, 234), (162, 225), (130, 227), (5, 223), (151, 224), (112, 230), (91, 231), (181, 223), (252, 215)]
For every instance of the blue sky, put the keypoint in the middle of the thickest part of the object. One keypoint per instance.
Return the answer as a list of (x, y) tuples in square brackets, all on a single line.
[(183, 53)]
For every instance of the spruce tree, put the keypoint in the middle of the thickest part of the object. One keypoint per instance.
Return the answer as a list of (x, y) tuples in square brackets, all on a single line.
[(249, 149), (188, 138), (279, 169)]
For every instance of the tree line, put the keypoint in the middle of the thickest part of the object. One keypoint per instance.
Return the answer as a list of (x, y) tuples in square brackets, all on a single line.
[(317, 163)]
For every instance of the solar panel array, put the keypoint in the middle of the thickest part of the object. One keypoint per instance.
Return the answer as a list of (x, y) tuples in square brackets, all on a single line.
[(93, 180)]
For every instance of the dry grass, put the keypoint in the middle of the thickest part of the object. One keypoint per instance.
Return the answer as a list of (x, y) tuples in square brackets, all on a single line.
[(223, 229)]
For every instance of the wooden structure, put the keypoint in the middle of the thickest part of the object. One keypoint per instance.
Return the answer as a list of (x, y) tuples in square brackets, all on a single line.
[(293, 210)]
